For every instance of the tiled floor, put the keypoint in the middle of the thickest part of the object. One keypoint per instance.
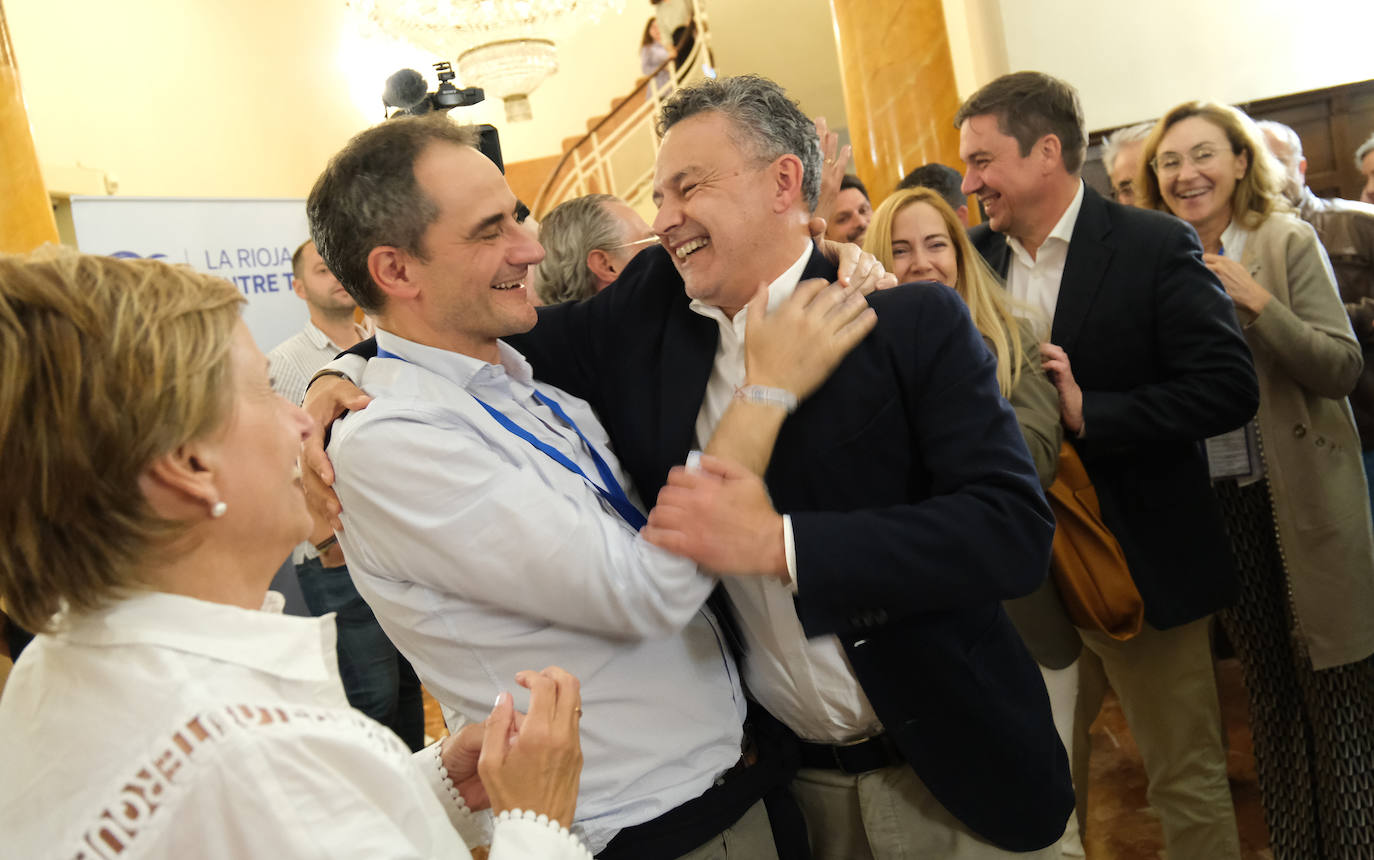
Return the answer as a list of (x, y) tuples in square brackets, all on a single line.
[(1121, 826)]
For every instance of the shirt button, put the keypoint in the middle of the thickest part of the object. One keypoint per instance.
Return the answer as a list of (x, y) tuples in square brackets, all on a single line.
[(1299, 430)]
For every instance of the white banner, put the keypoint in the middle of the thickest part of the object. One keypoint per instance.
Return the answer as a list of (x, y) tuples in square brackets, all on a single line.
[(248, 242)]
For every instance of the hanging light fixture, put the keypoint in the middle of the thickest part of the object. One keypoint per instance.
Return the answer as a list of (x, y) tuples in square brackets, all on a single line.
[(511, 69)]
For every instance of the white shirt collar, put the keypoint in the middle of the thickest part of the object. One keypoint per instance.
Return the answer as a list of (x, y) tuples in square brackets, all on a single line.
[(778, 291), (1062, 232), (284, 645), (455, 366), (1233, 240)]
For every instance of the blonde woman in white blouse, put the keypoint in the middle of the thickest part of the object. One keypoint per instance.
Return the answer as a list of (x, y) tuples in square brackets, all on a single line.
[(165, 711)]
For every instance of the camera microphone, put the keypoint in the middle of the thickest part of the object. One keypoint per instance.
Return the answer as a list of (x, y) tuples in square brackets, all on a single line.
[(407, 90)]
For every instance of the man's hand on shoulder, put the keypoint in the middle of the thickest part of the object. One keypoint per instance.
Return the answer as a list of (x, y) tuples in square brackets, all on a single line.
[(800, 343), (855, 266), (720, 516), (328, 398)]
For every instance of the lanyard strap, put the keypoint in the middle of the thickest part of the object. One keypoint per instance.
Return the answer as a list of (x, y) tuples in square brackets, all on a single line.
[(612, 492)]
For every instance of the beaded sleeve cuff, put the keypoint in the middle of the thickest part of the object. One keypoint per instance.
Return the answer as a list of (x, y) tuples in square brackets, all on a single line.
[(548, 832)]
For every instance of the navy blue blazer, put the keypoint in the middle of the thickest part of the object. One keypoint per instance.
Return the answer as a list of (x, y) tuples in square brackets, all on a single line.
[(915, 507), (1155, 346)]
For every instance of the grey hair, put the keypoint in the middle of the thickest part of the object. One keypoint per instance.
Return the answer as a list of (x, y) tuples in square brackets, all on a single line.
[(1288, 136), (367, 197), (1111, 147), (1365, 148), (765, 119), (569, 233)]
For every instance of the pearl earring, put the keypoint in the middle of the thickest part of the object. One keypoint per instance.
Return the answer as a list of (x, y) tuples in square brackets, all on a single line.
[(217, 510)]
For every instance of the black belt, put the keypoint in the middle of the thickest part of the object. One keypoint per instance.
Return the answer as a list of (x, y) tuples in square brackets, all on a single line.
[(689, 826), (853, 758)]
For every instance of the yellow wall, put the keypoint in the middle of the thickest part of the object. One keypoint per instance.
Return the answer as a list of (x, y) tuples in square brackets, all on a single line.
[(250, 97)]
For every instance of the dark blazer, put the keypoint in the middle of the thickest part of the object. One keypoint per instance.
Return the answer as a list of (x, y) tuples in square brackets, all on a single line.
[(1154, 344), (915, 509)]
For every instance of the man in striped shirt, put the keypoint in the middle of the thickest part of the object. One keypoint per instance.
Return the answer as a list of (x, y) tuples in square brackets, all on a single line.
[(378, 680)]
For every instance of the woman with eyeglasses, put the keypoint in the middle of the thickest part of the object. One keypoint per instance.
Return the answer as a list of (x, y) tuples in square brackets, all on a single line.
[(1291, 484), (163, 711)]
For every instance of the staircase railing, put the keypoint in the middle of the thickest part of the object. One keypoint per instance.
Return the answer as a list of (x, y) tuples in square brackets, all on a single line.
[(616, 156)]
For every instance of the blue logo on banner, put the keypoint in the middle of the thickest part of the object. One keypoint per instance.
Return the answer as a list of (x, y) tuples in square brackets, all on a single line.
[(130, 255)]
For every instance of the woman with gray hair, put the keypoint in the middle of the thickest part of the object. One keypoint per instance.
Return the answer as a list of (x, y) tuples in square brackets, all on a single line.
[(164, 711)]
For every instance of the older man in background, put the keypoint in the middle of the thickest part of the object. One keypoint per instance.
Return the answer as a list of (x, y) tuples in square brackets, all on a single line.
[(588, 241), (1364, 162), (1121, 159)]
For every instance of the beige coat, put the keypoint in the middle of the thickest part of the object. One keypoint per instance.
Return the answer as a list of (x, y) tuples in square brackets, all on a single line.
[(1308, 361), (1039, 616)]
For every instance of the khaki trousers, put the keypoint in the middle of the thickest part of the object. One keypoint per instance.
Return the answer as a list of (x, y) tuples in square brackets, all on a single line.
[(887, 814), (1168, 691), (747, 839)]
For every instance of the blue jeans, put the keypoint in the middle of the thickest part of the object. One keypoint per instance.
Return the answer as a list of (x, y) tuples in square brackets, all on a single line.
[(376, 678)]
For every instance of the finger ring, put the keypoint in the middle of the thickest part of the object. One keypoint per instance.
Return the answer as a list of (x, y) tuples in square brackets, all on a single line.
[(578, 711), (830, 161)]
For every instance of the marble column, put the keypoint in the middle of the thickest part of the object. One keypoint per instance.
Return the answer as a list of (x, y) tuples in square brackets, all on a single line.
[(26, 219), (899, 88)]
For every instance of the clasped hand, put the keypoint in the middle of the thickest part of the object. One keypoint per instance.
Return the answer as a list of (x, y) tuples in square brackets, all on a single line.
[(530, 761)]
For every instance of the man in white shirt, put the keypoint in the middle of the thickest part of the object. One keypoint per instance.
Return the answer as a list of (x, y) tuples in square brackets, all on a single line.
[(487, 520), (378, 680), (910, 506), (1157, 365)]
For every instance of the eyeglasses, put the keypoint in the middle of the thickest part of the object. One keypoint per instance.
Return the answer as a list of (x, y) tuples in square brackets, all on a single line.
[(651, 240), (1169, 163)]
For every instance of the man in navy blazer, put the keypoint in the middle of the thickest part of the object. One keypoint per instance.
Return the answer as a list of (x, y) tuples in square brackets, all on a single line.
[(912, 508), (1149, 361)]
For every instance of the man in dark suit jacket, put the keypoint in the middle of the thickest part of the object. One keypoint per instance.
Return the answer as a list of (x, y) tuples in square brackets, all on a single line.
[(1146, 352), (912, 505)]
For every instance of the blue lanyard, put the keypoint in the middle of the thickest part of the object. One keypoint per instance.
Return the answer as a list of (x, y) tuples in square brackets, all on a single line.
[(613, 493)]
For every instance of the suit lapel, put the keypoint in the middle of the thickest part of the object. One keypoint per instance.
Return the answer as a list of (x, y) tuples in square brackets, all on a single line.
[(688, 353), (1000, 254), (1084, 268), (818, 267)]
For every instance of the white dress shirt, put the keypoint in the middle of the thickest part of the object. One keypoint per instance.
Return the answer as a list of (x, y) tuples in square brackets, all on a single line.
[(169, 727), (481, 557), (806, 683), (1034, 283)]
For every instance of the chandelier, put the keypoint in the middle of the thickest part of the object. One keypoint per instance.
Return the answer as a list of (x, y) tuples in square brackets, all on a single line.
[(504, 46), (511, 69)]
